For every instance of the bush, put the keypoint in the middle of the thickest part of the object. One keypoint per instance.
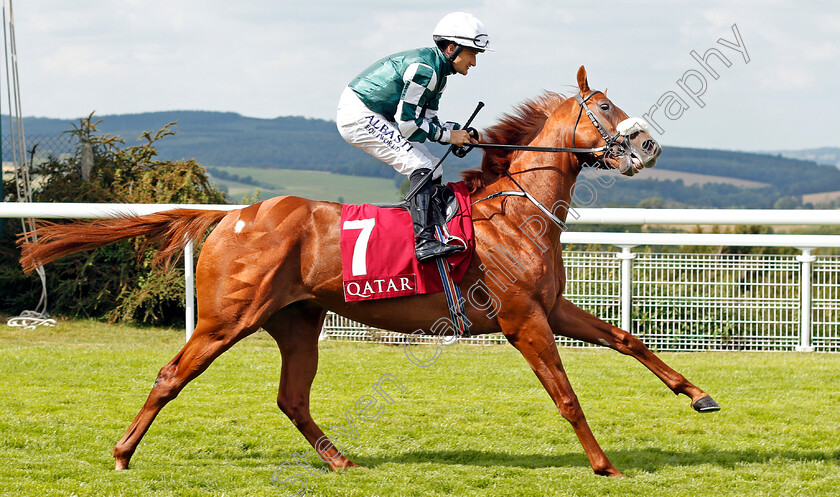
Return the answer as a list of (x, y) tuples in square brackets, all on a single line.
[(115, 282)]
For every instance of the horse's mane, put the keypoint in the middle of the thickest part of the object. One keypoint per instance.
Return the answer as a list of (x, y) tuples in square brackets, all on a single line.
[(519, 127)]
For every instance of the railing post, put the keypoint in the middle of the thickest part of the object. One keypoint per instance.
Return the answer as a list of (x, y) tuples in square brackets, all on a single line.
[(626, 256), (189, 285), (86, 158), (805, 303)]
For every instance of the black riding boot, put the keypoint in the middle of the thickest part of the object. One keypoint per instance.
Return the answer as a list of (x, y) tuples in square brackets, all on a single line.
[(426, 246)]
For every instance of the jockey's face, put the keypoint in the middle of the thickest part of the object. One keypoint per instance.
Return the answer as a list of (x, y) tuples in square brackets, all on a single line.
[(464, 60)]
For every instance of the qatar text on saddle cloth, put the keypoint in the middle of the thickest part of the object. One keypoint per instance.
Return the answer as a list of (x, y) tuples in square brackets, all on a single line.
[(377, 251)]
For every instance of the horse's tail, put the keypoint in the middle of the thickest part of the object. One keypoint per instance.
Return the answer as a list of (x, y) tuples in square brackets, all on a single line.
[(168, 230)]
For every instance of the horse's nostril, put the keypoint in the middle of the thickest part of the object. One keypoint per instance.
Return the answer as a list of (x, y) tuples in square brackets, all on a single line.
[(649, 146)]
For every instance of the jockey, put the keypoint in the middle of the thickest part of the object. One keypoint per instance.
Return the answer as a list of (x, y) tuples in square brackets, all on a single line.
[(390, 109)]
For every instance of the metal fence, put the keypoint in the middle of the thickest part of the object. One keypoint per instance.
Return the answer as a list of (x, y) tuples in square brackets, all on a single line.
[(825, 312), (720, 302), (688, 301), (41, 147)]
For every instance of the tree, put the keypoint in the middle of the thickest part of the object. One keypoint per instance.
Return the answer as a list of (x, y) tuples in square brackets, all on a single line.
[(652, 203), (114, 282), (788, 203)]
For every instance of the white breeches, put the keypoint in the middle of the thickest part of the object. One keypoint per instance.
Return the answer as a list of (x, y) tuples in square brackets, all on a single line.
[(376, 135)]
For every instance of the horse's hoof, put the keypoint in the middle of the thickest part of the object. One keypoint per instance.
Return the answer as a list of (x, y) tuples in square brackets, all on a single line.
[(611, 472), (347, 465), (121, 459), (705, 404)]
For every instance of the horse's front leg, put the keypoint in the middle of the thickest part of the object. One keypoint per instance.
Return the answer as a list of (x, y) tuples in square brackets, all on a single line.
[(536, 343), (569, 320)]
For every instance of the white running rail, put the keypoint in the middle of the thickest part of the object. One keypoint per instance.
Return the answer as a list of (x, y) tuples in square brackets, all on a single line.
[(672, 301)]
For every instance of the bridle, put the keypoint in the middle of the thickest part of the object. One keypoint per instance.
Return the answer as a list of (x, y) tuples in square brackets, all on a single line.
[(612, 146)]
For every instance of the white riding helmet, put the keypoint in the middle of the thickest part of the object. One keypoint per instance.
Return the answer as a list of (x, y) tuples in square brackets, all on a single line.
[(462, 29)]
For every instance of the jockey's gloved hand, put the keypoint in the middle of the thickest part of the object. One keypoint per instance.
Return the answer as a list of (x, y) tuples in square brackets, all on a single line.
[(462, 150)]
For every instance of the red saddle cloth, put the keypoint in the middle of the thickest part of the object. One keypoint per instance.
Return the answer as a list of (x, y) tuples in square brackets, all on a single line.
[(377, 251)]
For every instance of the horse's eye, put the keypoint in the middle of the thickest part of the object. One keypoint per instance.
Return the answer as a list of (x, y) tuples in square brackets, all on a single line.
[(605, 106)]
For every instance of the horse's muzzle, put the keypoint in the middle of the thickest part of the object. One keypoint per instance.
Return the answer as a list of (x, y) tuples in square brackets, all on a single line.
[(637, 148)]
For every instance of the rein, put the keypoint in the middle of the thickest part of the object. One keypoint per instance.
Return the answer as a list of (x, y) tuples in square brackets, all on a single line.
[(530, 148), (611, 141)]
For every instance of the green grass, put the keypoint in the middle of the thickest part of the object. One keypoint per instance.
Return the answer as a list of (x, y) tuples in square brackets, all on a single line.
[(477, 422), (314, 185)]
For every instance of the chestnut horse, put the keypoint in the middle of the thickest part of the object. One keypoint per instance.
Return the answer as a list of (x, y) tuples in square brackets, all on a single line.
[(276, 265)]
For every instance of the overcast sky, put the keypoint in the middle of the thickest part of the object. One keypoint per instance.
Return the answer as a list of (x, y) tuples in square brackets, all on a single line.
[(270, 58)]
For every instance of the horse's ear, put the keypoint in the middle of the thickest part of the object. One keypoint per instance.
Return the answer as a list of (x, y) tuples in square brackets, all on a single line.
[(583, 84)]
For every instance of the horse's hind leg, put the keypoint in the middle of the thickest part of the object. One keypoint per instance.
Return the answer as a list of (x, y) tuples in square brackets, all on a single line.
[(296, 329), (208, 342), (569, 320)]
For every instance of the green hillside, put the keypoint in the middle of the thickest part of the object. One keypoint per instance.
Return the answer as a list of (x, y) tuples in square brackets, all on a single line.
[(229, 140), (788, 179), (789, 176), (316, 185), (823, 155)]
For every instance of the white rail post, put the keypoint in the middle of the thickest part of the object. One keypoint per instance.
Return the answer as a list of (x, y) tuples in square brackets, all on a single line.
[(805, 303), (626, 256), (189, 284)]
